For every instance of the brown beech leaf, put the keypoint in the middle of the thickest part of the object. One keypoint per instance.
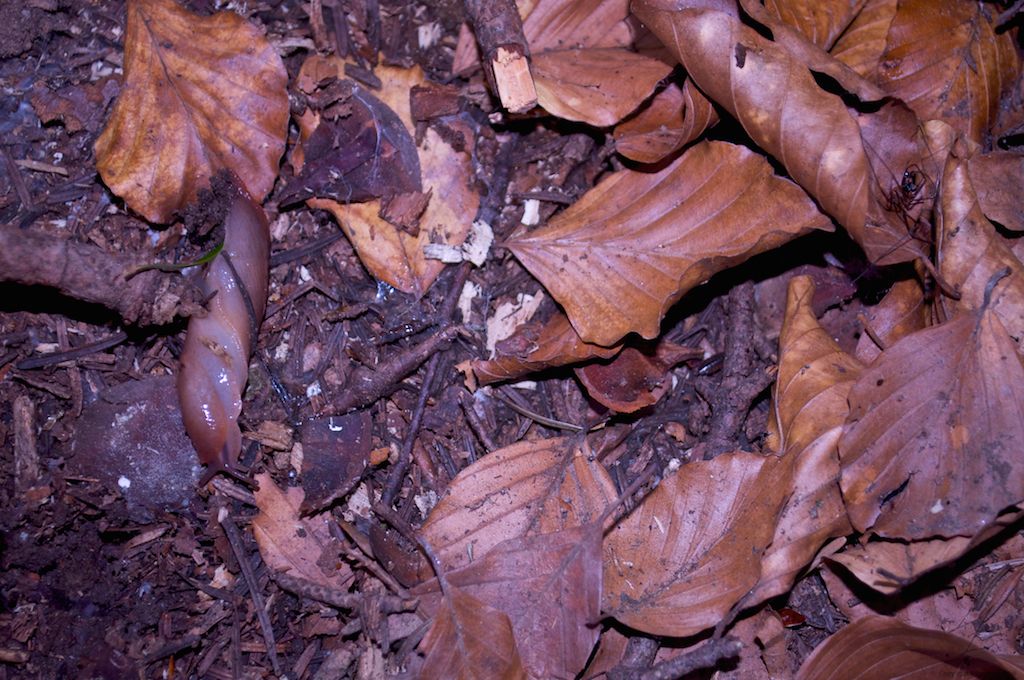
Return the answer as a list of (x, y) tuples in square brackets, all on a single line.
[(534, 347), (561, 25), (692, 549), (946, 61), (997, 178), (932, 446), (469, 640), (809, 399), (901, 312), (881, 648), (672, 119), (532, 487), (623, 254), (550, 587), (294, 545), (200, 94), (599, 87), (810, 131), (972, 250), (636, 377), (822, 22), (862, 44)]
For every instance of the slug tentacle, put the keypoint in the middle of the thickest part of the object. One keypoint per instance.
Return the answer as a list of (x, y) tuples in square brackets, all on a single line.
[(215, 358)]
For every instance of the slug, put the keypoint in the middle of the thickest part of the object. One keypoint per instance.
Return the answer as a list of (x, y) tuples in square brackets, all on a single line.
[(215, 358)]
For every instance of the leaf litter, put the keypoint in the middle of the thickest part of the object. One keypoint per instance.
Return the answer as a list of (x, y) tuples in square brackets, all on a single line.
[(562, 513)]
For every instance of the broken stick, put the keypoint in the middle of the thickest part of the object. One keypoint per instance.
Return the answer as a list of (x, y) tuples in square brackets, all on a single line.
[(506, 56)]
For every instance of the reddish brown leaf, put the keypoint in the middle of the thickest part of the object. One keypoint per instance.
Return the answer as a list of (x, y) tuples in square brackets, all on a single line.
[(814, 379), (692, 549), (561, 25), (674, 117), (622, 255), (862, 44), (997, 178), (810, 131), (595, 86), (550, 587), (932, 447), (295, 546), (469, 640), (528, 488), (901, 312), (535, 347), (881, 648), (821, 22), (201, 94), (634, 378)]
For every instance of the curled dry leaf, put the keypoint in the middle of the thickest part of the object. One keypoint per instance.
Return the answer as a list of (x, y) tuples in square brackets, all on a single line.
[(550, 587), (997, 178), (901, 312), (595, 86), (672, 119), (469, 640), (534, 347), (561, 25), (293, 545), (809, 400), (636, 377), (932, 446), (528, 488), (692, 549), (972, 250), (880, 648), (622, 255), (201, 94), (821, 22), (810, 131)]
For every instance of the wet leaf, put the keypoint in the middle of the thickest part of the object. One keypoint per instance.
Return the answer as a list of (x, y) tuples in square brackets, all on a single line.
[(536, 346), (335, 452), (293, 545), (932, 444), (810, 131), (692, 549), (531, 487), (599, 87), (809, 398), (200, 94), (673, 118), (469, 640), (550, 587), (880, 648), (622, 255), (636, 377)]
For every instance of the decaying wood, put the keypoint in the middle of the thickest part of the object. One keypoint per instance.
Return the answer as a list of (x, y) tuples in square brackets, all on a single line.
[(499, 31)]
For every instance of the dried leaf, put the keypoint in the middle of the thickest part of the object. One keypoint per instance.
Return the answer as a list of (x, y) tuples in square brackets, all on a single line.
[(561, 25), (635, 378), (335, 454), (692, 549), (821, 22), (469, 640), (997, 178), (528, 488), (599, 87), (814, 379), (932, 447), (901, 312), (621, 256), (550, 587), (534, 347), (810, 131), (880, 648), (862, 44), (292, 545), (972, 250), (672, 119), (201, 94)]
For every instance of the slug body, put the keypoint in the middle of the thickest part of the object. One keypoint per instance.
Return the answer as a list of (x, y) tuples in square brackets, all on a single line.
[(215, 358)]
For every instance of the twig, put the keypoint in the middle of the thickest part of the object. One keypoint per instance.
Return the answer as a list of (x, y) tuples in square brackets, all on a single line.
[(238, 548), (72, 354), (389, 604), (705, 656), (640, 653), (365, 561), (499, 32), (398, 473)]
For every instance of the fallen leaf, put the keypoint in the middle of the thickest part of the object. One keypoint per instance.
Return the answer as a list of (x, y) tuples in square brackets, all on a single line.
[(635, 378), (932, 444), (901, 312), (623, 254), (599, 87), (879, 647), (692, 549), (335, 453), (560, 25), (469, 640), (821, 22), (862, 44), (531, 487), (549, 585), (673, 118), (200, 94), (997, 178), (810, 408), (510, 316), (294, 545)]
